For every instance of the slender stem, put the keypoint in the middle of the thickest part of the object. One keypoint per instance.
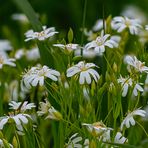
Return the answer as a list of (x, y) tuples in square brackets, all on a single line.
[(83, 25), (142, 128)]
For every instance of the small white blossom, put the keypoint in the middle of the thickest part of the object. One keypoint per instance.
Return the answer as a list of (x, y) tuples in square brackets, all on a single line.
[(5, 45), (19, 119), (6, 61), (85, 71), (23, 106), (19, 53), (43, 35), (129, 120), (137, 88), (121, 23), (98, 25), (97, 128), (133, 62), (32, 54), (69, 47), (46, 109), (20, 17), (119, 138), (100, 43), (74, 141), (36, 75), (125, 83)]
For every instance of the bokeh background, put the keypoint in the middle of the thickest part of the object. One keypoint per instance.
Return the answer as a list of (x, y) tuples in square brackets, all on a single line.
[(64, 13)]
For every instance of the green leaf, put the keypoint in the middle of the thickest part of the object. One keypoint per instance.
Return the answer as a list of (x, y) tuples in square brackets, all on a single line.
[(70, 35)]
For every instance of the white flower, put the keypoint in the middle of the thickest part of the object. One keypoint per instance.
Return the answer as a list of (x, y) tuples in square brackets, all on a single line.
[(129, 120), (2, 145), (125, 83), (98, 25), (97, 128), (6, 61), (85, 71), (43, 35), (74, 141), (100, 43), (19, 119), (44, 107), (133, 12), (137, 88), (5, 45), (20, 17), (54, 114), (121, 23), (69, 47), (22, 106), (133, 62), (33, 54), (36, 75), (146, 27), (19, 53), (119, 138)]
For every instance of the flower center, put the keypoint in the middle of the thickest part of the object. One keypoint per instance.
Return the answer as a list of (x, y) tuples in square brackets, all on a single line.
[(41, 34), (99, 41), (127, 23)]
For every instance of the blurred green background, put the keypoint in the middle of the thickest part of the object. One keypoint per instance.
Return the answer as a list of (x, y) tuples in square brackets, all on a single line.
[(65, 13)]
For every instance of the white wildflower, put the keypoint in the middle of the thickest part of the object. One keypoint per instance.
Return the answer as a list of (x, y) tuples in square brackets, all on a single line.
[(74, 141), (19, 54), (98, 25), (129, 120), (120, 139), (137, 88), (125, 84), (97, 128), (20, 17), (6, 61), (5, 45), (36, 75), (18, 119), (33, 54), (22, 106), (85, 71), (69, 47), (121, 23), (43, 35), (100, 43), (133, 62)]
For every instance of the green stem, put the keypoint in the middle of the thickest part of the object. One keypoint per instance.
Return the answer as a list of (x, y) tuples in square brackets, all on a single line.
[(83, 25)]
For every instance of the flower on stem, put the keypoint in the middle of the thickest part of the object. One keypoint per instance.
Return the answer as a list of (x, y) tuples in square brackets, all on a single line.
[(121, 23), (129, 82), (125, 83), (36, 75), (119, 138), (133, 62), (129, 120), (74, 141), (97, 128), (100, 43), (18, 119), (69, 47), (22, 106), (43, 35), (85, 71), (6, 61), (46, 109)]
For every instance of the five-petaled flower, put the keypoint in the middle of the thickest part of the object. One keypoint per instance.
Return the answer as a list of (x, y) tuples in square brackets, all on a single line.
[(134, 63), (43, 35), (100, 43), (121, 23), (129, 120), (36, 75), (85, 70)]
